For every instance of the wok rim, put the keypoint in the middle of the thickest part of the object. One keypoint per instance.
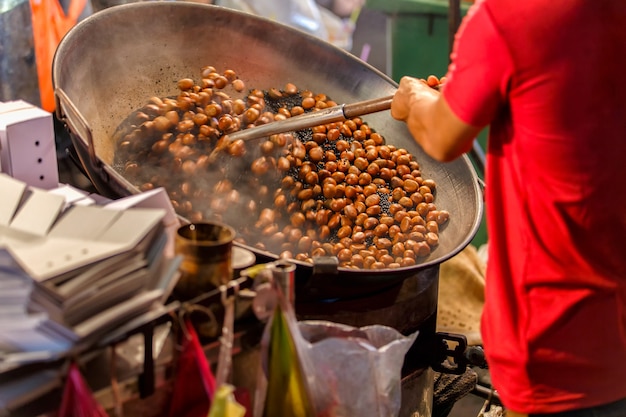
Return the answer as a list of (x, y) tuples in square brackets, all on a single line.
[(360, 274)]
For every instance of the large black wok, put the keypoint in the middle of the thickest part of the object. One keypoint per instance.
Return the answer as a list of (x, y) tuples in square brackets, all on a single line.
[(111, 63)]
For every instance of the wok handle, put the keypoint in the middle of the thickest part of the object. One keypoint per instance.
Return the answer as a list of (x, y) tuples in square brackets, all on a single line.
[(76, 122), (332, 114), (367, 107)]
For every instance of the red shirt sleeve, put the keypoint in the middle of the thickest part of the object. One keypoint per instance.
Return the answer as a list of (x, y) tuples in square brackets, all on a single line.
[(479, 76)]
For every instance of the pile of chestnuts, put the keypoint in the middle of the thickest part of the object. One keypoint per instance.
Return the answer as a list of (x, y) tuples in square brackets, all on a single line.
[(332, 190)]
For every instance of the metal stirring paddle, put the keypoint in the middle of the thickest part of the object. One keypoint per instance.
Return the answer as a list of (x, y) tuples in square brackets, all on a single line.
[(332, 114)]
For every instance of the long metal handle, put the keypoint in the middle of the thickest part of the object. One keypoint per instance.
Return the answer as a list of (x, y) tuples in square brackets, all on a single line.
[(366, 107), (329, 115)]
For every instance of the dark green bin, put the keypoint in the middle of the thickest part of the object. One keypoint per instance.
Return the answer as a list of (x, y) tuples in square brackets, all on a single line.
[(417, 36)]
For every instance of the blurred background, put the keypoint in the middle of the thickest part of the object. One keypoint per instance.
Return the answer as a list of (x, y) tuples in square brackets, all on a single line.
[(397, 37)]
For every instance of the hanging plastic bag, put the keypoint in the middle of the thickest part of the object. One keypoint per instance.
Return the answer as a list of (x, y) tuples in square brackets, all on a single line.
[(78, 400), (50, 24), (358, 369), (194, 383), (225, 403), (283, 389), (325, 369), (287, 392)]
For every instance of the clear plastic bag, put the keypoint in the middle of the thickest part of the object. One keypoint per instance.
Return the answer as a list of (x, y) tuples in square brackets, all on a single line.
[(358, 370), (329, 369)]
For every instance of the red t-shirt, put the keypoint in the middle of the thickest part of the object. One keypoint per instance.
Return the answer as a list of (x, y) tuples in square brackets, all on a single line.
[(549, 77)]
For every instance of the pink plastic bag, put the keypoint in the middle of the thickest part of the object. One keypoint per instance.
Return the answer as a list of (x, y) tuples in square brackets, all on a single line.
[(194, 383), (78, 400)]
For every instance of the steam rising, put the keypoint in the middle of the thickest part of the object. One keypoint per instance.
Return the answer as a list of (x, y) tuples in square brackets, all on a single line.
[(270, 190)]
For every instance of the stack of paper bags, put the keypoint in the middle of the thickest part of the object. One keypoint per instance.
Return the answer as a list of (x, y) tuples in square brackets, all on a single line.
[(77, 270)]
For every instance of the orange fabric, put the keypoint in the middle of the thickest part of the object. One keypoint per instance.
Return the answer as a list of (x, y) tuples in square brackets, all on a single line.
[(50, 24)]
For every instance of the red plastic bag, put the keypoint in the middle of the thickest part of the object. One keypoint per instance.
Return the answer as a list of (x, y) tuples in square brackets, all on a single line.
[(78, 400), (194, 383)]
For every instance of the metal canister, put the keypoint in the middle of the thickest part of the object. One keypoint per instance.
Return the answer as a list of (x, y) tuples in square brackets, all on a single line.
[(206, 249), (284, 273)]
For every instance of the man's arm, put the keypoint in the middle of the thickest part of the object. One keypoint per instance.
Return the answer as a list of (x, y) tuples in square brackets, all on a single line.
[(431, 121)]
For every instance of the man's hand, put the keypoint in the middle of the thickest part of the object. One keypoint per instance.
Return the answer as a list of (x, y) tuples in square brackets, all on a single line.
[(430, 120), (411, 92)]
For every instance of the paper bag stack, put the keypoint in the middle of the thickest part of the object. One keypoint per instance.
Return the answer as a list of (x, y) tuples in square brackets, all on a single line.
[(73, 272)]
